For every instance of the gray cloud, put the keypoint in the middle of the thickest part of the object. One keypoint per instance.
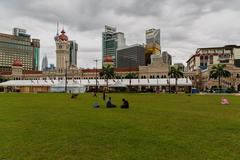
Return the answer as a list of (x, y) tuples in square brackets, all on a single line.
[(185, 24)]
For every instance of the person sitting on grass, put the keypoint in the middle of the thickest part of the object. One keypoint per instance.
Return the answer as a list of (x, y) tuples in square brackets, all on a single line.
[(74, 95), (125, 104), (109, 103), (224, 101)]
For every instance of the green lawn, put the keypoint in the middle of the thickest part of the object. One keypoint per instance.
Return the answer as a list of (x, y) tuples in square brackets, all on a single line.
[(177, 127)]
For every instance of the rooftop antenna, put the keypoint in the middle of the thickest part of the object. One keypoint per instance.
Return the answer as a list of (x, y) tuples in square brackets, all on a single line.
[(57, 28), (160, 41)]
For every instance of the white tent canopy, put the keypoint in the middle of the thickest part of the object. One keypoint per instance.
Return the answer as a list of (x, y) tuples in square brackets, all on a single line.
[(72, 86), (100, 82), (27, 83), (118, 84)]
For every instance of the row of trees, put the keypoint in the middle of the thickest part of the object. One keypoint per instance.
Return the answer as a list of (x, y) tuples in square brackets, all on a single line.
[(217, 72)]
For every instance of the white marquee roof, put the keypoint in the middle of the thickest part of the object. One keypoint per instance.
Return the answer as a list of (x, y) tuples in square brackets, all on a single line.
[(100, 82)]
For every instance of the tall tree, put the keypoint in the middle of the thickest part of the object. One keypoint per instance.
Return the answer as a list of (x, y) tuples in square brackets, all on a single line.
[(175, 73), (107, 73), (218, 71)]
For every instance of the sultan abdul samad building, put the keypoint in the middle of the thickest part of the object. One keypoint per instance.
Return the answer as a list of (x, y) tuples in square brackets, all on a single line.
[(198, 66)]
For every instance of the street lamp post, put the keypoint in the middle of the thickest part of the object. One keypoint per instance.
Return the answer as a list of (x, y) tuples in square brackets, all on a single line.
[(130, 69), (169, 79), (66, 77), (96, 87), (169, 76)]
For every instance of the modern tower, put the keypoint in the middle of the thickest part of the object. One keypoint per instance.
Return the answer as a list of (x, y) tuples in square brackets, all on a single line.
[(45, 63), (153, 45), (111, 41), (131, 56), (62, 51), (167, 58), (73, 53)]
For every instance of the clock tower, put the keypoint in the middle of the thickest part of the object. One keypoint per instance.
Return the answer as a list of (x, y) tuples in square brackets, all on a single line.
[(62, 51)]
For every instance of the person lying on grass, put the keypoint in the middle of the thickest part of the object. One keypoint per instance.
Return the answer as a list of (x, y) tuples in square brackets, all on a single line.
[(96, 105), (224, 101)]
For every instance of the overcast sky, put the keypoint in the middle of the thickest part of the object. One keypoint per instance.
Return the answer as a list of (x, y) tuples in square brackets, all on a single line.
[(185, 24)]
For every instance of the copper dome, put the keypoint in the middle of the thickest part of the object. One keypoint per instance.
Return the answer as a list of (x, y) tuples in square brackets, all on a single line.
[(17, 63), (108, 59), (63, 37)]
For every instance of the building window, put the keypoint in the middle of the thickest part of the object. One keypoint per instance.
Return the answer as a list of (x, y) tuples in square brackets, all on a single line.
[(211, 59)]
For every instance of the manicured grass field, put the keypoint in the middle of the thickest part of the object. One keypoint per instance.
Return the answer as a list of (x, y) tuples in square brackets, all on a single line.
[(176, 127)]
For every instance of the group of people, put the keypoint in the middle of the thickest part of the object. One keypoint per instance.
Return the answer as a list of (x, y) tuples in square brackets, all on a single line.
[(125, 104), (109, 104)]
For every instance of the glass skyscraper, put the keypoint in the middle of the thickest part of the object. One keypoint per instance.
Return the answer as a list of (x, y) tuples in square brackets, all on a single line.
[(45, 63), (111, 41), (73, 53), (153, 45)]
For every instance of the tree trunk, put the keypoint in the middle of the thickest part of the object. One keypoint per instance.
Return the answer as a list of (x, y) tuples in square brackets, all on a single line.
[(176, 88), (219, 82), (107, 84)]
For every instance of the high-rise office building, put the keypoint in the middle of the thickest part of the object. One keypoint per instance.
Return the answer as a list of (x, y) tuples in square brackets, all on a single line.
[(153, 45), (52, 67), (73, 53), (167, 58), (111, 41), (36, 54), (131, 56), (45, 63), (19, 46), (20, 32)]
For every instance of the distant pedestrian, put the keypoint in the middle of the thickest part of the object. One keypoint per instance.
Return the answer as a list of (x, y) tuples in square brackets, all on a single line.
[(125, 104), (104, 95)]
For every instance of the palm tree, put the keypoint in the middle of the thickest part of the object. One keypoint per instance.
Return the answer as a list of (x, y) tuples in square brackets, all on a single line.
[(218, 71), (131, 76), (107, 73), (175, 73)]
